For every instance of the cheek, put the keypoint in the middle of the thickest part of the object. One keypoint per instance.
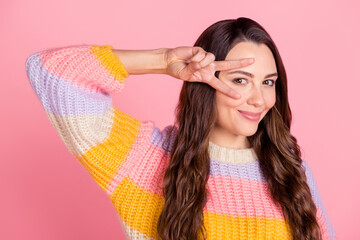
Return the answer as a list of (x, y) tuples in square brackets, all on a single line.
[(221, 101), (225, 107), (270, 99), (224, 101)]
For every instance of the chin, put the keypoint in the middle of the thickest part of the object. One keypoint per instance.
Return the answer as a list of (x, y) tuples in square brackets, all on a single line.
[(250, 134), (247, 132)]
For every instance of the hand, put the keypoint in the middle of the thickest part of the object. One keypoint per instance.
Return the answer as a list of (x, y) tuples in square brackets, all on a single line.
[(194, 64)]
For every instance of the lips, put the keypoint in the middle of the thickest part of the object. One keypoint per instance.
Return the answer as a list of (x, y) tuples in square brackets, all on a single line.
[(250, 115)]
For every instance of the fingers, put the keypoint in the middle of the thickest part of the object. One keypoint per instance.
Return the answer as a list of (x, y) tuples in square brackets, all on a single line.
[(200, 60), (189, 70), (209, 58), (184, 53), (231, 64), (223, 88), (199, 54)]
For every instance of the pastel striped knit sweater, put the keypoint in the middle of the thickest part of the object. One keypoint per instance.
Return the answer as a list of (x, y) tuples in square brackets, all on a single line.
[(126, 159)]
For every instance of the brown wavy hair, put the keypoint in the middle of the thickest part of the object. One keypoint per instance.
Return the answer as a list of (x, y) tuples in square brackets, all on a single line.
[(184, 183)]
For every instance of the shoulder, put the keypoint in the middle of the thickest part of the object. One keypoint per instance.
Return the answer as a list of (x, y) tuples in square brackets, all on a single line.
[(306, 167), (163, 138), (309, 176)]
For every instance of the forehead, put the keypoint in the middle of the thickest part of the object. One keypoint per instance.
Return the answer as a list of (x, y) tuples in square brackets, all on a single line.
[(264, 58)]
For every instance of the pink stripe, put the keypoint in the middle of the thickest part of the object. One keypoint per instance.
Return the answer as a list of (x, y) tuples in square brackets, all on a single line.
[(98, 79), (149, 174), (143, 163), (240, 197)]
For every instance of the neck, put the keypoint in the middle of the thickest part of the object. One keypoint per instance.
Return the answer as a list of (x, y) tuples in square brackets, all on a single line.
[(222, 137)]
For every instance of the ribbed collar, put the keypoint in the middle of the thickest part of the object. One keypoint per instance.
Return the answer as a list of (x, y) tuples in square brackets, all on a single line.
[(232, 155)]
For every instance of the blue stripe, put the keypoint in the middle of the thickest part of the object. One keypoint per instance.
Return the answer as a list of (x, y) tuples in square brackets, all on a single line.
[(61, 97), (248, 171)]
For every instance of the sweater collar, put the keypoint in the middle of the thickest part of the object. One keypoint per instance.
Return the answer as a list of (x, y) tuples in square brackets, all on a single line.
[(232, 155)]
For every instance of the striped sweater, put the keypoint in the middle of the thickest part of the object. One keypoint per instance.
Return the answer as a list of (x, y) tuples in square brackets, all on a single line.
[(126, 158)]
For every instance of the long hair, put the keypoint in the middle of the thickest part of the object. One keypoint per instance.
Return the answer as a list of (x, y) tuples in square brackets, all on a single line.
[(184, 183)]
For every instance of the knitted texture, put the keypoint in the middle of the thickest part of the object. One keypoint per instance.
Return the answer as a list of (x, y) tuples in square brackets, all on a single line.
[(127, 160)]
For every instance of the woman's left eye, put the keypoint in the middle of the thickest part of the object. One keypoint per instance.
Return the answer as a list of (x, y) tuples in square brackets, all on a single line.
[(272, 84)]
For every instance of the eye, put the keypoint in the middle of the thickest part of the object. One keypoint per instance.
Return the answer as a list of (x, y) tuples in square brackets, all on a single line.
[(272, 82), (238, 80)]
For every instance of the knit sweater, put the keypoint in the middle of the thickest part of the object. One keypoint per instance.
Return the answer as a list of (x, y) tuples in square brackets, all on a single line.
[(126, 158)]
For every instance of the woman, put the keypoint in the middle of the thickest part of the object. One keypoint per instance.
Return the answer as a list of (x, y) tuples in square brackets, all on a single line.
[(228, 168)]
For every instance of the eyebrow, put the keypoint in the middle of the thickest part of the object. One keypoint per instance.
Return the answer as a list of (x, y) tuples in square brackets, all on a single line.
[(252, 75)]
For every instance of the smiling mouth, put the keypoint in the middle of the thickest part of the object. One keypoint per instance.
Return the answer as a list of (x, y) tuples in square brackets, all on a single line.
[(250, 115)]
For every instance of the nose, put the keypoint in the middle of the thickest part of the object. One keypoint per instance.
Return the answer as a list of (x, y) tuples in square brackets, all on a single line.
[(256, 97)]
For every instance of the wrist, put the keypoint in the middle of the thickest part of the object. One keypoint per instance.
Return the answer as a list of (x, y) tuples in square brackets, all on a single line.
[(143, 61), (161, 60)]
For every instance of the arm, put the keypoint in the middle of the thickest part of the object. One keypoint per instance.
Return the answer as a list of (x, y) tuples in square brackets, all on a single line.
[(186, 63), (74, 84), (322, 217)]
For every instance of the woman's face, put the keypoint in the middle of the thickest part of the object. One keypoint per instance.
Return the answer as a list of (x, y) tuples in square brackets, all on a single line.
[(256, 84)]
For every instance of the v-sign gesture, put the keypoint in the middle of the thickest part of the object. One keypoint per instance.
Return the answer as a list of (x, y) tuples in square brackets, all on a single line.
[(194, 64)]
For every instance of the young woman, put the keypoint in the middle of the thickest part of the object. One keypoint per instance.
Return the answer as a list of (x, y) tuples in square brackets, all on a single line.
[(228, 168)]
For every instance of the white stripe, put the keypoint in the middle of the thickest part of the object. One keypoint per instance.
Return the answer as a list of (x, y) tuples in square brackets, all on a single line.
[(81, 133)]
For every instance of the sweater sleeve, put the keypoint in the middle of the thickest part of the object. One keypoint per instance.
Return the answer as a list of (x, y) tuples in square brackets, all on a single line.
[(74, 84), (322, 217)]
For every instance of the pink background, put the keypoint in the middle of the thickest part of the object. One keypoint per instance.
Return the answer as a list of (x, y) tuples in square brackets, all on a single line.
[(47, 194)]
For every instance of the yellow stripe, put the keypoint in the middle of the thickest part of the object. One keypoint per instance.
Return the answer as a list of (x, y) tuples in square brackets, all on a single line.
[(103, 160), (137, 208), (141, 210), (222, 226), (110, 61)]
